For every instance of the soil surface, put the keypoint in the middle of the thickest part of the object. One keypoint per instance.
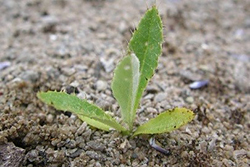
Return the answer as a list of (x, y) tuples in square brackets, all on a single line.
[(75, 45)]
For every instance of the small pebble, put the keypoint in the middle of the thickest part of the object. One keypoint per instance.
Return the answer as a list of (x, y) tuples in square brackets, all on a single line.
[(97, 164), (32, 155), (198, 84), (122, 27), (81, 129), (4, 65), (189, 75), (102, 36), (184, 154), (152, 89), (160, 97), (189, 100), (205, 130), (212, 145), (29, 75), (94, 155), (50, 118), (101, 85), (228, 162), (76, 153), (203, 146), (95, 145), (238, 153), (108, 64)]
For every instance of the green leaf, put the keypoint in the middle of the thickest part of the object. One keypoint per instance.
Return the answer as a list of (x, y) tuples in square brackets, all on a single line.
[(146, 43), (124, 86), (95, 123), (66, 102), (166, 121)]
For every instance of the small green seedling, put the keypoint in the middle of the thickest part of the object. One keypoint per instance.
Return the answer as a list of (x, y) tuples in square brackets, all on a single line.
[(131, 77)]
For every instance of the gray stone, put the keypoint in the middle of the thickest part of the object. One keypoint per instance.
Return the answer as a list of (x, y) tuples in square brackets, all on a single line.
[(160, 97), (94, 155), (31, 76), (32, 155), (95, 145), (76, 153), (70, 144)]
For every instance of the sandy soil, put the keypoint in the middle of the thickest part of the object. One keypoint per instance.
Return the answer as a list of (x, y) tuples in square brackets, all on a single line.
[(75, 45)]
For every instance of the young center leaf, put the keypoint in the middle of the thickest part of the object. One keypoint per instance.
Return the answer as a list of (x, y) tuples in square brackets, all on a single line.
[(166, 121), (146, 44), (86, 111), (125, 85)]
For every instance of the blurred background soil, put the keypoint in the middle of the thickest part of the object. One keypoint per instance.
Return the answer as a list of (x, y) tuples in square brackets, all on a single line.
[(74, 45)]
